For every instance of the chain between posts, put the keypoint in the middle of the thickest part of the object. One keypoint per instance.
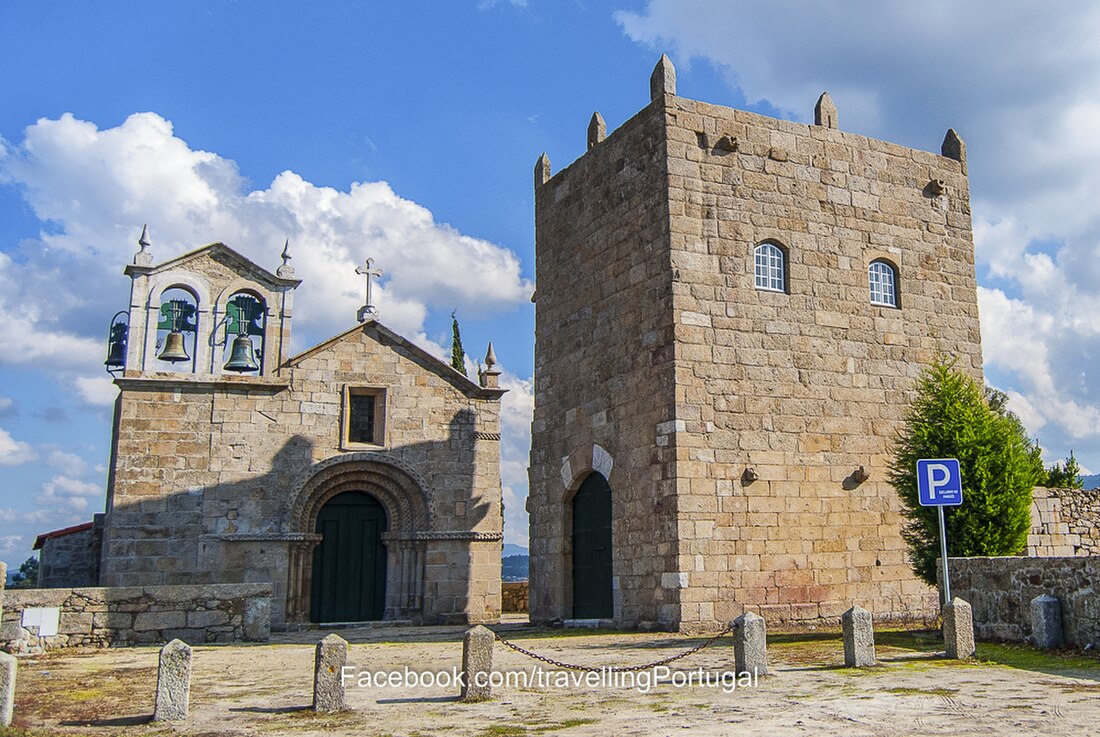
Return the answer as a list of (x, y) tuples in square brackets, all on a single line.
[(614, 668)]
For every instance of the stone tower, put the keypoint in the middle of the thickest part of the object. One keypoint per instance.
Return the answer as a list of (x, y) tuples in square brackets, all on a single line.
[(730, 315)]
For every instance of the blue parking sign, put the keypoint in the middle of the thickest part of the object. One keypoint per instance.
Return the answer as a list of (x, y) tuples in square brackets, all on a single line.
[(939, 482)]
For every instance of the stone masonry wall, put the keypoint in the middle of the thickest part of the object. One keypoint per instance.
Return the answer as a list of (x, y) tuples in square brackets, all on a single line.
[(1064, 522), (109, 617), (804, 386), (653, 344), (71, 560), (513, 596), (207, 470), (1001, 589), (603, 370)]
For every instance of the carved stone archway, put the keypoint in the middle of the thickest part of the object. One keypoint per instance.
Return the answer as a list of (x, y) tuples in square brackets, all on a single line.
[(402, 494)]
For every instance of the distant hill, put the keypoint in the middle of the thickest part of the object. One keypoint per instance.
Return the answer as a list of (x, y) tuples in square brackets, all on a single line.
[(514, 568), (510, 550), (1091, 482)]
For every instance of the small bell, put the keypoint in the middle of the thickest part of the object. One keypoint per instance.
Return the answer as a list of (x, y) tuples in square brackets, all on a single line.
[(116, 345), (174, 349), (242, 358)]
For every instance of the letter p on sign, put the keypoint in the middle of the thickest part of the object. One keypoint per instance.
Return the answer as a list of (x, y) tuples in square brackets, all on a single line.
[(939, 482)]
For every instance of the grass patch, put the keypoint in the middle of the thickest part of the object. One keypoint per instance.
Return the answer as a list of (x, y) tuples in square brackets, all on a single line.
[(1026, 657), (903, 691), (519, 730)]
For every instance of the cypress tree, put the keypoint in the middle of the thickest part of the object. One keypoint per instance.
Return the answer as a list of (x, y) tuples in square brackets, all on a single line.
[(458, 356)]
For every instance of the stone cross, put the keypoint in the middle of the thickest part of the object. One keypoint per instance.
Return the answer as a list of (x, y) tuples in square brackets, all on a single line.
[(1046, 622), (173, 682), (750, 644), (477, 663), (958, 629), (328, 666), (368, 310), (859, 638), (7, 688)]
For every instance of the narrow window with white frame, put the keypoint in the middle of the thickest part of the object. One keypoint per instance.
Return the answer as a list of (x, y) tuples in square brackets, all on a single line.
[(770, 267), (883, 281)]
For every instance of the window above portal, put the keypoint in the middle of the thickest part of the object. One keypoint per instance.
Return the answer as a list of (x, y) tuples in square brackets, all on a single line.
[(364, 415)]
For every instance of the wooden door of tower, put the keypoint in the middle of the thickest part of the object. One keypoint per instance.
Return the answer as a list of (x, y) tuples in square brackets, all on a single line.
[(592, 550), (349, 564)]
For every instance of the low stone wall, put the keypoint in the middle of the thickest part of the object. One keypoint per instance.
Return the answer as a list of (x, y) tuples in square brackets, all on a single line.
[(1064, 522), (1001, 589), (513, 595), (139, 615)]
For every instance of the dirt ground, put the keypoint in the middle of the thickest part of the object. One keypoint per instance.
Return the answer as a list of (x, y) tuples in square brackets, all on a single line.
[(266, 689)]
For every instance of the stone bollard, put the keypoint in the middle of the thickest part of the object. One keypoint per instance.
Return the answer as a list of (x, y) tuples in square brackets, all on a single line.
[(3, 583), (859, 637), (7, 688), (328, 669), (750, 644), (173, 682), (477, 663), (958, 629), (1046, 622)]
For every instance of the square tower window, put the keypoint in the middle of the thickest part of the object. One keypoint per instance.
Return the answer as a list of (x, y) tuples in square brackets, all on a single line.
[(364, 417)]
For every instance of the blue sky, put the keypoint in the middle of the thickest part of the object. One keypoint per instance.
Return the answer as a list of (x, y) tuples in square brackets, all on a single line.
[(409, 131)]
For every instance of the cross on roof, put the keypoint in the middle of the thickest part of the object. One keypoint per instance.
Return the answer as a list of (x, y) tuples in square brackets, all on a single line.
[(368, 310)]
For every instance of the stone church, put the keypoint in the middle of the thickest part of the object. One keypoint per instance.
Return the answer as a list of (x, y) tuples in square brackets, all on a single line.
[(731, 312), (360, 477)]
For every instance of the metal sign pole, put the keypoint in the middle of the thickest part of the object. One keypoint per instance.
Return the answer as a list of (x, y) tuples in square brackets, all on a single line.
[(943, 556)]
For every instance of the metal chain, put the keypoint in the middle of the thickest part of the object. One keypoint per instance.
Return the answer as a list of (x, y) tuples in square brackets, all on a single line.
[(613, 668)]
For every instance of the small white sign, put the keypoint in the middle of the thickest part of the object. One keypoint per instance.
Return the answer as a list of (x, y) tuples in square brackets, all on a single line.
[(44, 618)]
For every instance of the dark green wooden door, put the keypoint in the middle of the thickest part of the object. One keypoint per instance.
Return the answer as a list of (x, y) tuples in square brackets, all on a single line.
[(349, 565), (592, 549)]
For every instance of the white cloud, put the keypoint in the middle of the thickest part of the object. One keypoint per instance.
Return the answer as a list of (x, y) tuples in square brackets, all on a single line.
[(1022, 88), (10, 543), (517, 407), (14, 452), (69, 464), (99, 391), (66, 487), (97, 187)]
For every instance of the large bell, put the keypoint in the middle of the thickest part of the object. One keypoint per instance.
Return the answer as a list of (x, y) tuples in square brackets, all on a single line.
[(174, 350), (242, 358)]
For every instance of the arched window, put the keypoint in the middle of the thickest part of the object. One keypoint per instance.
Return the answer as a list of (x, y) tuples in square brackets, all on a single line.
[(771, 267), (883, 280)]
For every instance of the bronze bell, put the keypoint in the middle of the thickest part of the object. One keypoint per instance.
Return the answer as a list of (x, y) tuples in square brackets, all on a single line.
[(242, 358), (116, 355), (174, 349)]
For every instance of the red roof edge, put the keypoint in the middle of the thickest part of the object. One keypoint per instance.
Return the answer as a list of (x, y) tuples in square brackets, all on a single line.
[(41, 539)]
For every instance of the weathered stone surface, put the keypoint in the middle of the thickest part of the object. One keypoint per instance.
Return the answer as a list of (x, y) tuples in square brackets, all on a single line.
[(220, 477), (1001, 589), (329, 660), (859, 637), (1064, 522), (825, 113), (103, 617), (958, 629), (173, 682), (256, 623), (1046, 622), (597, 129), (8, 666), (663, 80), (513, 596), (654, 343), (477, 663), (750, 644)]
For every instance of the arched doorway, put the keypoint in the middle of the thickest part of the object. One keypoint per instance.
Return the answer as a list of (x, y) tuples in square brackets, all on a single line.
[(349, 565), (592, 549)]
